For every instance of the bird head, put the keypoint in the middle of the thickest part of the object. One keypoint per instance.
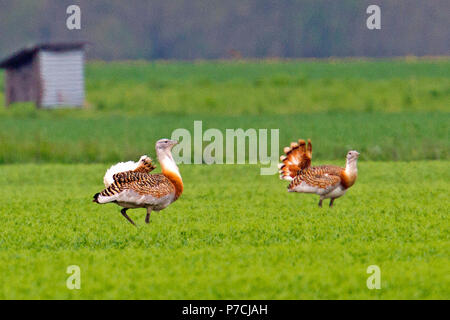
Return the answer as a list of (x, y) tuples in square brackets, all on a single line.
[(352, 155), (165, 145)]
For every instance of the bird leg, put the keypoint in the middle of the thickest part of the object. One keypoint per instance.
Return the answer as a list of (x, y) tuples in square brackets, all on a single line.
[(320, 203), (147, 217), (124, 213), (331, 202)]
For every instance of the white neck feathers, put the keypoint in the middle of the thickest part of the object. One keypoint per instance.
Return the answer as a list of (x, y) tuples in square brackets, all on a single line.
[(168, 165), (351, 167)]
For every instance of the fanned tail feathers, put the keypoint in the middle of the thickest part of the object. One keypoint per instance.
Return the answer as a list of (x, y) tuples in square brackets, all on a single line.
[(297, 157), (145, 165)]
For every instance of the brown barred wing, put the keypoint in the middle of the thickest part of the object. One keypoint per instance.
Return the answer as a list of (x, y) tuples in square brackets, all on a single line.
[(121, 182), (155, 185), (327, 169), (129, 176), (114, 189), (321, 178), (322, 181)]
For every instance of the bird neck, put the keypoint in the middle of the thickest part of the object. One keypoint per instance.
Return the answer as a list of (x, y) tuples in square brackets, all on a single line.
[(351, 172), (351, 166), (170, 170)]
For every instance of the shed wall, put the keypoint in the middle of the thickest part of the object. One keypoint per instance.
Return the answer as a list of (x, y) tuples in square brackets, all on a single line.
[(22, 83), (62, 78)]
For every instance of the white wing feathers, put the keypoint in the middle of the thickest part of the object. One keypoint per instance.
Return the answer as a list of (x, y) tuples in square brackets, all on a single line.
[(121, 167)]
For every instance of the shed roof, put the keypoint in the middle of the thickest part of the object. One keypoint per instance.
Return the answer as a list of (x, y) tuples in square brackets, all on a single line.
[(26, 54)]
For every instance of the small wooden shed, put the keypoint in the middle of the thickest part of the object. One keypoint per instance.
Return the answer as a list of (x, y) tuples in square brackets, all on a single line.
[(50, 74)]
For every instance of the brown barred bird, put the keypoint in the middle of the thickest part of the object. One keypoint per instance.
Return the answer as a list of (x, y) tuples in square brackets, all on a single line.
[(130, 184), (327, 181)]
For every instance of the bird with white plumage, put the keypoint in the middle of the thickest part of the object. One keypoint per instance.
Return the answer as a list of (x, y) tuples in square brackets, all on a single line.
[(130, 184)]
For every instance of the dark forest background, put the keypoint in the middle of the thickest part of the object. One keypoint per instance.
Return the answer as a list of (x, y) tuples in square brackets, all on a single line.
[(213, 29)]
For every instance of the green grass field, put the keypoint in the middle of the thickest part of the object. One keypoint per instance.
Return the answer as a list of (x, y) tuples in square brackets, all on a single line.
[(233, 234), (379, 136)]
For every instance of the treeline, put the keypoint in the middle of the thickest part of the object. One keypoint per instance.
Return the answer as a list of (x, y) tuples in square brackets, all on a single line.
[(211, 29)]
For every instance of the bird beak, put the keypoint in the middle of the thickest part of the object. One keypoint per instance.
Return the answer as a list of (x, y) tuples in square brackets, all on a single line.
[(174, 142)]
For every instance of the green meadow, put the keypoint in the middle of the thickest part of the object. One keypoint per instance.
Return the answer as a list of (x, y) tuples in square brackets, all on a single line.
[(233, 234)]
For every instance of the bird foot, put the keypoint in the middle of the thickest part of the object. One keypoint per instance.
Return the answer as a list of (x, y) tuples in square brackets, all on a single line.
[(124, 213)]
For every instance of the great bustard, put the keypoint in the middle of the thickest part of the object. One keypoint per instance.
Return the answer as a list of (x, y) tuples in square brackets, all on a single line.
[(327, 181), (130, 184)]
